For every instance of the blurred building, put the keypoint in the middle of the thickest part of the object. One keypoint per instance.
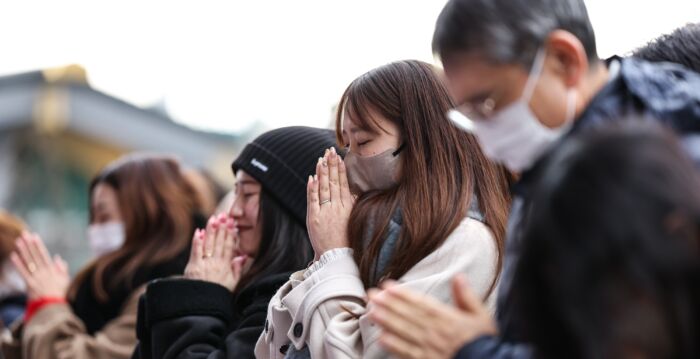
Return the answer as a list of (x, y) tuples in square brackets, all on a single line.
[(57, 132)]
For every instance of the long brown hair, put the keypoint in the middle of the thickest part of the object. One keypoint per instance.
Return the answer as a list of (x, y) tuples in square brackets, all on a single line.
[(441, 166), (11, 228), (157, 204)]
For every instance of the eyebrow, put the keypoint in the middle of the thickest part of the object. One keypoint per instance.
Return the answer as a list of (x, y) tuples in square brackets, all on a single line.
[(354, 130), (245, 182), (478, 97)]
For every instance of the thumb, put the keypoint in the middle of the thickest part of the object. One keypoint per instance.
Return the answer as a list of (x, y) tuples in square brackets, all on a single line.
[(463, 296)]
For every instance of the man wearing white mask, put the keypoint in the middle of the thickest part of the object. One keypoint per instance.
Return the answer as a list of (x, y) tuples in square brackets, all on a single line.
[(525, 75)]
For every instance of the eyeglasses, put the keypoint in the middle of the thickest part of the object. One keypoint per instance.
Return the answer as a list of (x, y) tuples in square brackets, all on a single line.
[(480, 110)]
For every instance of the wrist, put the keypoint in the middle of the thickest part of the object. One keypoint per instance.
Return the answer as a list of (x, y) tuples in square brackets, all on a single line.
[(40, 296), (319, 254), (36, 304), (327, 257), (485, 330)]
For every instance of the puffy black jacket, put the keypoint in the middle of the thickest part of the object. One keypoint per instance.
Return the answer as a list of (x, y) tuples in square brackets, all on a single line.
[(180, 318)]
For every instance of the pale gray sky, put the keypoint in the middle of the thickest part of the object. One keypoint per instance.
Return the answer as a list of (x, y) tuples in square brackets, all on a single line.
[(224, 64)]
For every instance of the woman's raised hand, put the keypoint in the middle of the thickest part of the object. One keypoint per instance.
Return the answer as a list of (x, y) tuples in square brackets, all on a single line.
[(46, 277), (212, 256), (329, 204)]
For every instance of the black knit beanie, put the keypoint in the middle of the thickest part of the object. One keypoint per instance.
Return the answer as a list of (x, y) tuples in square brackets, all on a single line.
[(282, 160)]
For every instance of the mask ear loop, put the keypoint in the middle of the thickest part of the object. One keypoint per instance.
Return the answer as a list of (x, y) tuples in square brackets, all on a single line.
[(398, 150), (570, 107), (535, 72)]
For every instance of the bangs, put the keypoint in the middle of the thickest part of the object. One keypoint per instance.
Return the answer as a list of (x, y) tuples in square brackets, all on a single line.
[(357, 104)]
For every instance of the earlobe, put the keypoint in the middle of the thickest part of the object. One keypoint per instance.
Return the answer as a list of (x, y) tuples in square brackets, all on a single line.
[(569, 55)]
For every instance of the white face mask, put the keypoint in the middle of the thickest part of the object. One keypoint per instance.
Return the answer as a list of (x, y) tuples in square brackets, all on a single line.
[(106, 238), (513, 135)]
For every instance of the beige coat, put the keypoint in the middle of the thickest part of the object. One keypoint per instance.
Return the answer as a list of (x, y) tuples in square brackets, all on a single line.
[(312, 308), (55, 332)]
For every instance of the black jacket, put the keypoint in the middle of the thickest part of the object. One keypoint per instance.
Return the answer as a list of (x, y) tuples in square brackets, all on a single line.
[(663, 92), (180, 318), (12, 308), (95, 314)]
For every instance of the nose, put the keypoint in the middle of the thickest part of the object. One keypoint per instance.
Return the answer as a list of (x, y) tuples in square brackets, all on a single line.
[(236, 211)]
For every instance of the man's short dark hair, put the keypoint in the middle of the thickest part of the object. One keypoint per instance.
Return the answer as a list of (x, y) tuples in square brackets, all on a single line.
[(509, 31)]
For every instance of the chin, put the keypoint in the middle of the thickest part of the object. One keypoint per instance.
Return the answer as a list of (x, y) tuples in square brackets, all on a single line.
[(243, 250)]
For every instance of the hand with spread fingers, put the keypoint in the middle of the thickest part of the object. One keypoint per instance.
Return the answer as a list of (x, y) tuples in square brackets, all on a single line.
[(45, 276), (212, 256), (418, 326), (329, 204)]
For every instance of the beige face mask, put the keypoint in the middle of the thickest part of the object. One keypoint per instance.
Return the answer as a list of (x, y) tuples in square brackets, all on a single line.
[(372, 173)]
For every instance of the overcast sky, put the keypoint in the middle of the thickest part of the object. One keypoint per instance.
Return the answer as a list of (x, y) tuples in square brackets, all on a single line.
[(222, 65)]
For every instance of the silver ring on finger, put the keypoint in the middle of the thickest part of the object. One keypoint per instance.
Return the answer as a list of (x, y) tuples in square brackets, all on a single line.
[(324, 202)]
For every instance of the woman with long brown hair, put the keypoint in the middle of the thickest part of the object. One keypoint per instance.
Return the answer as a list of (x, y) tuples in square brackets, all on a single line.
[(415, 201), (142, 214), (13, 298)]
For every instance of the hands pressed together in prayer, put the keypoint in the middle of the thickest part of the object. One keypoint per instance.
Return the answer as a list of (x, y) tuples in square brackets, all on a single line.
[(214, 256), (329, 204), (46, 277)]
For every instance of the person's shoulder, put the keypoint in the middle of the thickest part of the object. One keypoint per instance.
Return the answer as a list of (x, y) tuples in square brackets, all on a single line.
[(638, 68), (470, 235), (660, 84), (470, 249), (256, 296), (272, 282), (473, 228), (664, 92), (265, 286)]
